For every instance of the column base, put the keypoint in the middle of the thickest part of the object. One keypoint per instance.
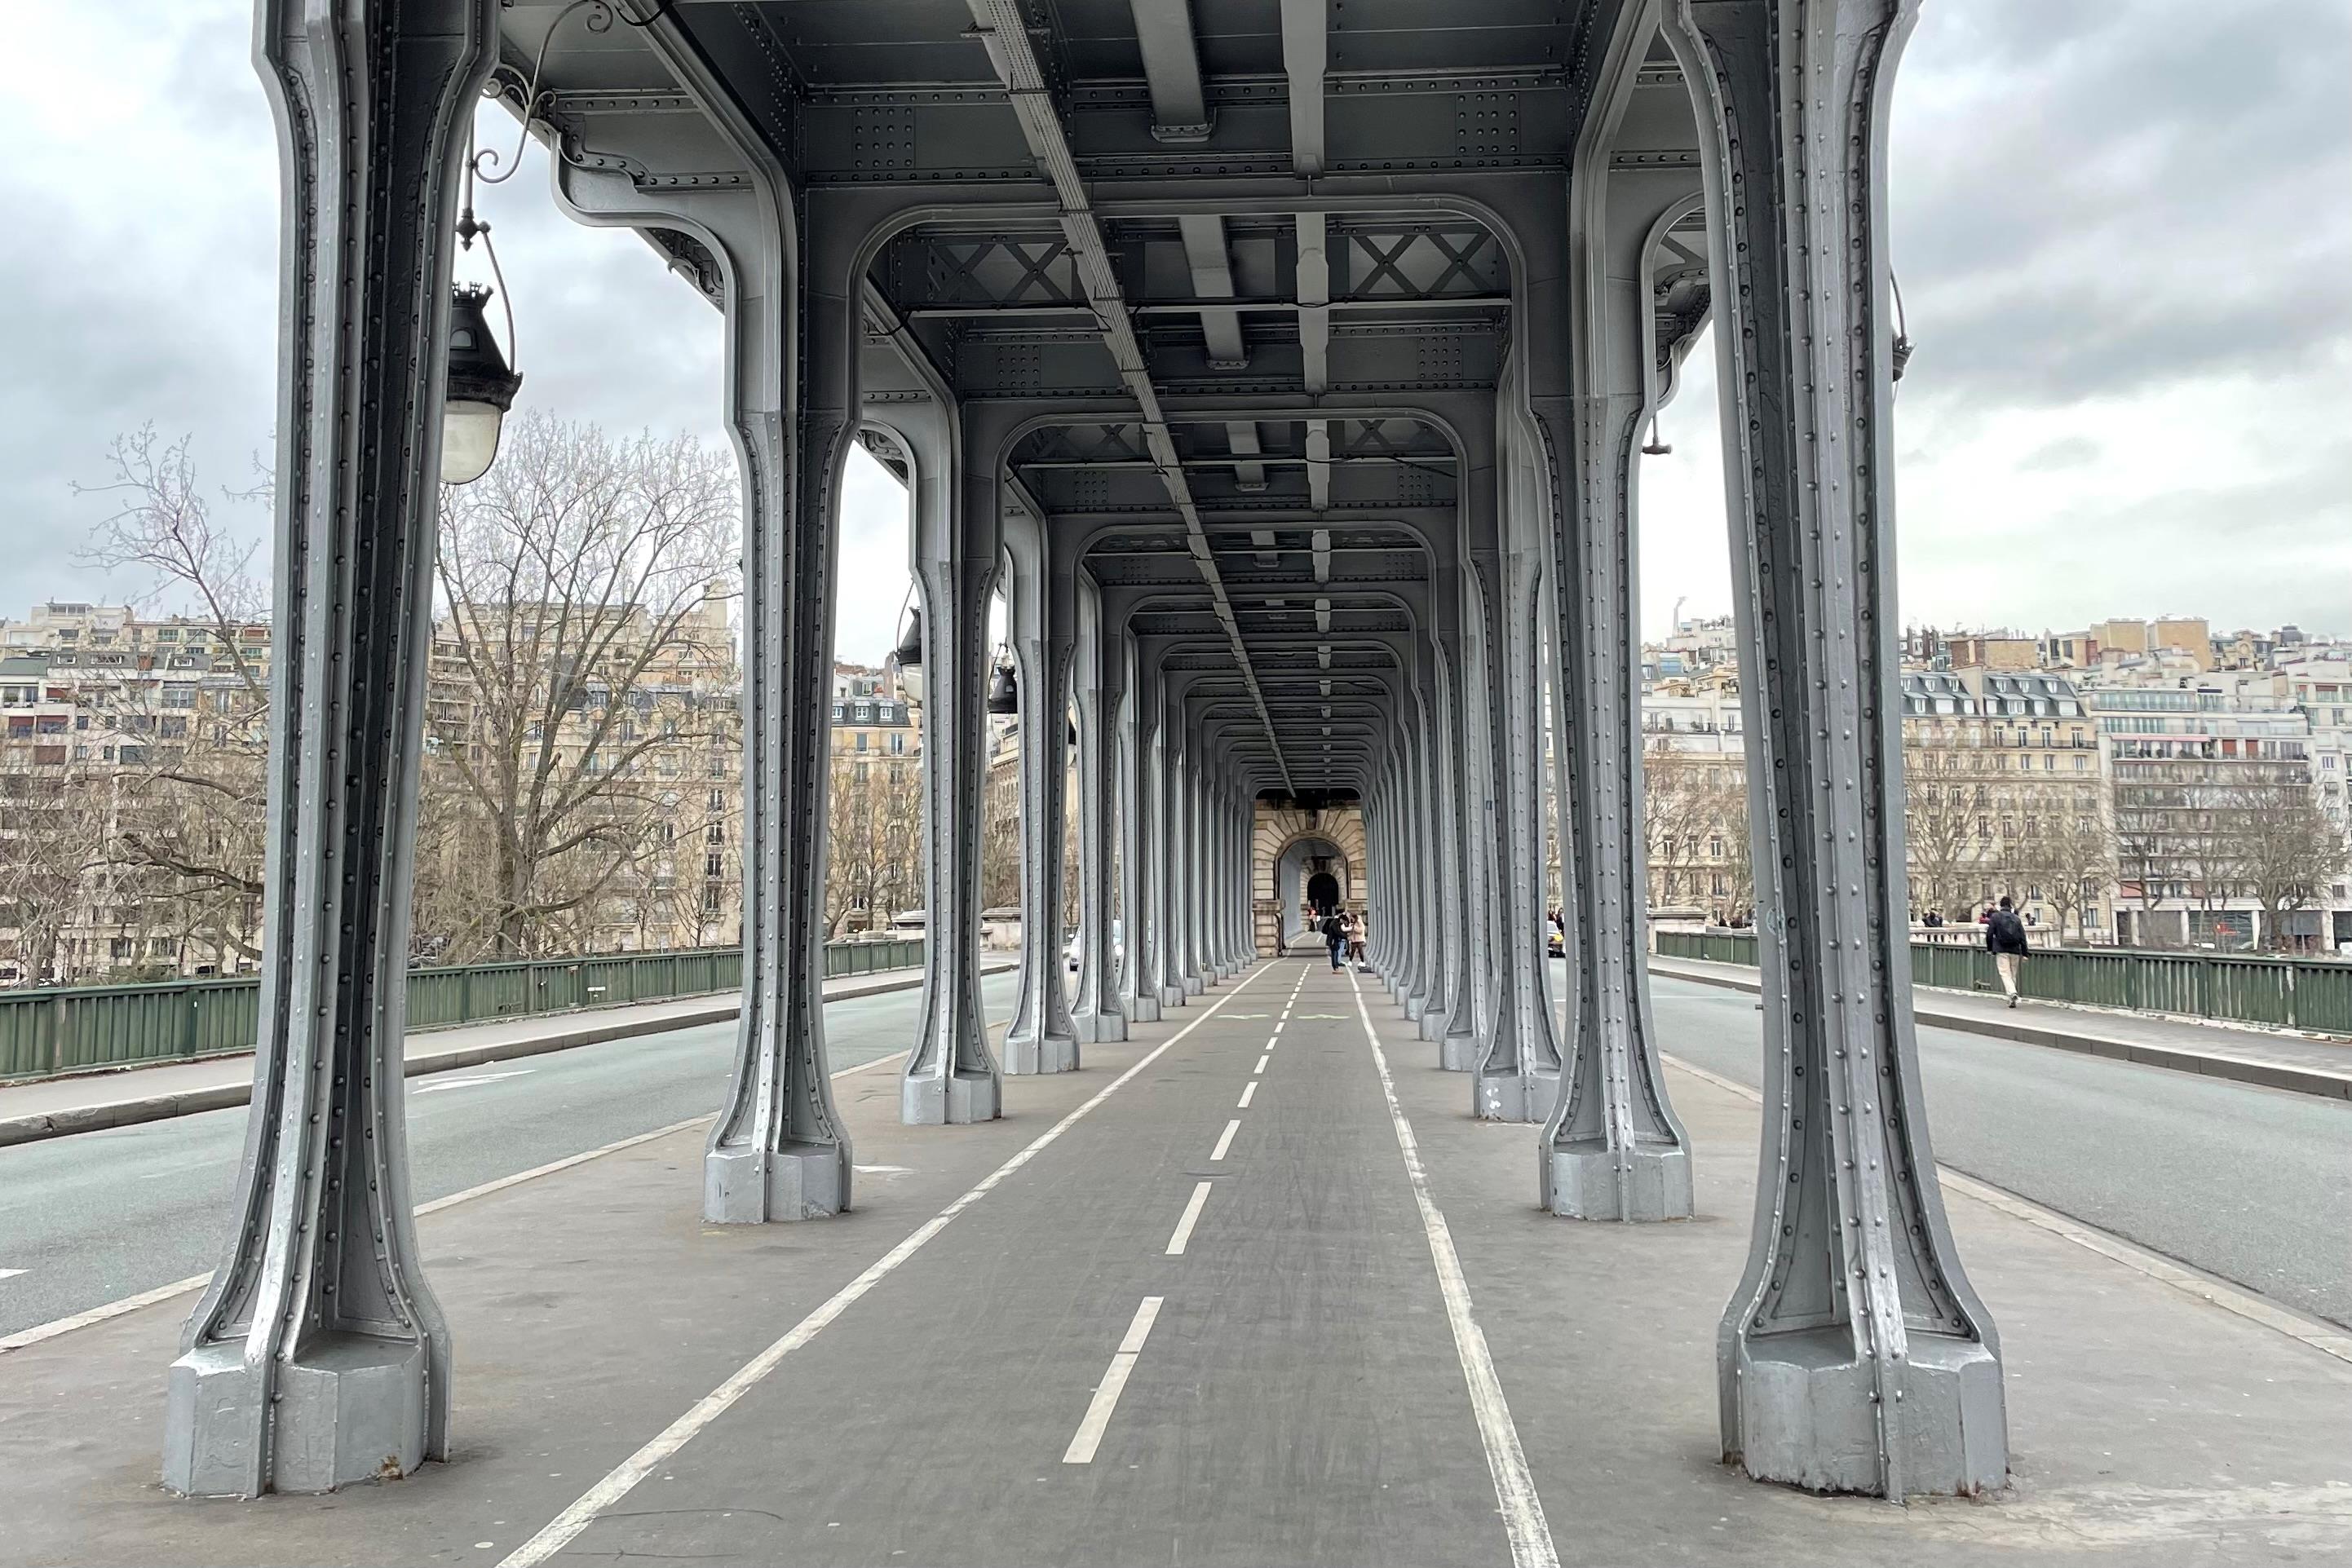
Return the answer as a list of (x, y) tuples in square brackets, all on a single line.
[(1033, 1056), (1589, 1181), (1171, 996), (1806, 1414), (350, 1407), (957, 1101), (1457, 1052), (1514, 1096), (800, 1181), (1193, 986), (1432, 1024), (1099, 1028), (1416, 1006), (1142, 1009)]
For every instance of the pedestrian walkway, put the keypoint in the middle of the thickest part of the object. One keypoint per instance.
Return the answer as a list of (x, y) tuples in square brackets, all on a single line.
[(2274, 1059), (1251, 1289), (86, 1102)]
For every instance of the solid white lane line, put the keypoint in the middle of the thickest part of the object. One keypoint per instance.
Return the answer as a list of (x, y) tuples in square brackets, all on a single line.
[(1514, 1487), (83, 1320), (1224, 1140), (2155, 1266), (1081, 1451), (1261, 1064), (1247, 1090), (1191, 1217), (566, 1526)]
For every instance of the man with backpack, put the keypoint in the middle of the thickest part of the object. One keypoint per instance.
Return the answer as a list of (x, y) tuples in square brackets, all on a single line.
[(2005, 936), (1335, 936)]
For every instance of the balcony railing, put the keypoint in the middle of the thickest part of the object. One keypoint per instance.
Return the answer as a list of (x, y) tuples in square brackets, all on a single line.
[(81, 1029), (2313, 995)]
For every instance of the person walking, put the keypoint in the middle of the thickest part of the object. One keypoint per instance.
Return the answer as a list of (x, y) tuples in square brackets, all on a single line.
[(1335, 936), (2005, 936), (1356, 938)]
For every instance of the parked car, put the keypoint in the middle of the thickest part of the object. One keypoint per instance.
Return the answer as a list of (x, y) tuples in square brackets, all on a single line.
[(1072, 950)]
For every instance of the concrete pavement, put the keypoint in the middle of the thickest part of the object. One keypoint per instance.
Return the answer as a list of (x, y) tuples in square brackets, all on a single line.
[(908, 1384), (91, 1220)]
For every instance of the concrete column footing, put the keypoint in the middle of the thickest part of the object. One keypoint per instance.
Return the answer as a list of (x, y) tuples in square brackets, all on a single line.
[(966, 1097), (798, 1182), (1029, 1057), (349, 1408)]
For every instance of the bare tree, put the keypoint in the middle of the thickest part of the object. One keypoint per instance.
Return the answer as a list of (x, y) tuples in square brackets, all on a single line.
[(2281, 850), (54, 833), (585, 637), (2072, 859), (187, 726), (1947, 825), (875, 821)]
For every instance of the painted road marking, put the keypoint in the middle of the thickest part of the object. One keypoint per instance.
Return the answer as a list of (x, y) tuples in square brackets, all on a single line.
[(435, 1086), (624, 1479), (2241, 1303), (1261, 1064), (83, 1320), (1247, 1090), (12, 1273), (1224, 1140), (1191, 1217), (1514, 1487), (1081, 1451)]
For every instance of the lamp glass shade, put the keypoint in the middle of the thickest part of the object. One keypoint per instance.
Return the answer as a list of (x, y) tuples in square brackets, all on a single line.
[(481, 388), (1003, 696), (469, 440)]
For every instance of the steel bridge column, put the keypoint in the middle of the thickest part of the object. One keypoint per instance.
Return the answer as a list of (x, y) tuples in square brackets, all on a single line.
[(318, 1356), (1854, 1355), (1185, 853), (1168, 846), (1041, 1038), (1101, 686), (951, 1074), (1139, 892), (1455, 1032), (1516, 1077), (1614, 1148), (1428, 827)]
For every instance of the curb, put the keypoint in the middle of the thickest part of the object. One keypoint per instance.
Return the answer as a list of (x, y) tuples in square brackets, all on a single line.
[(96, 1118), (2235, 1069)]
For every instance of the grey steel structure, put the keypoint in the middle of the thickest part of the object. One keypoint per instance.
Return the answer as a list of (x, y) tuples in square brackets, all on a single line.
[(1285, 363)]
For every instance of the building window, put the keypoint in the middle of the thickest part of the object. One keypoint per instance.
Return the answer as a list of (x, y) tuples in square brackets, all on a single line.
[(710, 865)]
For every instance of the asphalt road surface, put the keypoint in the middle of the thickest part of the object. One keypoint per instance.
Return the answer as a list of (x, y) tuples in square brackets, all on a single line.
[(89, 1219), (2252, 1185)]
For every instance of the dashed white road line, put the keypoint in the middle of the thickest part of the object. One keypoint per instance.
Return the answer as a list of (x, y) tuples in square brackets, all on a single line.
[(625, 1478), (440, 1085), (1247, 1090), (1261, 1064), (1224, 1140), (1081, 1451), (1190, 1218), (1506, 1461), (12, 1273)]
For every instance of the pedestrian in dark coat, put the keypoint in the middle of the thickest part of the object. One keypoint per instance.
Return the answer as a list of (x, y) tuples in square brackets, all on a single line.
[(2005, 936)]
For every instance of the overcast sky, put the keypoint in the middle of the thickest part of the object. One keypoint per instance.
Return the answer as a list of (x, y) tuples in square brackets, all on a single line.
[(2122, 231)]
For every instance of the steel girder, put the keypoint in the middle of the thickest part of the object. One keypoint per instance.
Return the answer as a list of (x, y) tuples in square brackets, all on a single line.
[(1854, 1356), (317, 1356)]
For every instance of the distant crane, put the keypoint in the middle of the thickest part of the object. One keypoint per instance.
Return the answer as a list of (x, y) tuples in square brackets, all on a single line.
[(1677, 620)]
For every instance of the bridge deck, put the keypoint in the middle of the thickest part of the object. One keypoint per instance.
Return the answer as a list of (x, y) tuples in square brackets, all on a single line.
[(1302, 1395)]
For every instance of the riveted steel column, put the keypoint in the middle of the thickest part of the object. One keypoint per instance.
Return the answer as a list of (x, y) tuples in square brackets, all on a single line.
[(1518, 1074), (1139, 890), (950, 1076), (1041, 1036), (1184, 859), (1168, 867), (1614, 1148), (1101, 685), (1456, 1032), (318, 1356), (1854, 1356)]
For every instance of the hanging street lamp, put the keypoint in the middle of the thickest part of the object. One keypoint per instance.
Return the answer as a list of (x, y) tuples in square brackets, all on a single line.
[(1003, 696), (481, 388), (908, 656)]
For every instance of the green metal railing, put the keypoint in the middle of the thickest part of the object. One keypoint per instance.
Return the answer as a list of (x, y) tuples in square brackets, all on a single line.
[(2288, 993), (73, 1028)]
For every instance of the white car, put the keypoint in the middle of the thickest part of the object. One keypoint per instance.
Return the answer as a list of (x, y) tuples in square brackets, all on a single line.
[(1077, 945)]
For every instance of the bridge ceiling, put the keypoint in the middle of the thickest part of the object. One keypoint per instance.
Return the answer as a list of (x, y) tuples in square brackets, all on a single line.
[(1123, 228)]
